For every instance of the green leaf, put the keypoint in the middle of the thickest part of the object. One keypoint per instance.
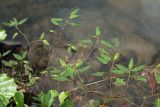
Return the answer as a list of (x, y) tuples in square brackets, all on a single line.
[(7, 86), (121, 67), (15, 35), (62, 96), (18, 57), (102, 50), (130, 65), (47, 99), (140, 78), (105, 56), (6, 53), (119, 82), (138, 68), (102, 60), (157, 102), (157, 77), (45, 42), (12, 62), (67, 103), (42, 36), (74, 14), (6, 63), (74, 48), (118, 71), (116, 56), (105, 43), (3, 101), (98, 74), (84, 69), (19, 99), (98, 31), (3, 34), (22, 21), (63, 63), (56, 21), (24, 54)]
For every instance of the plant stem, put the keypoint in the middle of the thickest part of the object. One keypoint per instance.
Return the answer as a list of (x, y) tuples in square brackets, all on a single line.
[(24, 37)]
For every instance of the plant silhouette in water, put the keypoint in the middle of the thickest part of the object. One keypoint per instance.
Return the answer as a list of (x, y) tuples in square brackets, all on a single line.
[(68, 70)]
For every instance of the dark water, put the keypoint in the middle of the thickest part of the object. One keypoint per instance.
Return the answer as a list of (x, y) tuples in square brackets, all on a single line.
[(136, 22)]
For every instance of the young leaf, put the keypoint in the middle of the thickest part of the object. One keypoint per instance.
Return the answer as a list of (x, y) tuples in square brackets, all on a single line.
[(102, 60), (6, 63), (42, 36), (130, 65), (98, 31), (18, 57), (45, 42), (140, 78), (56, 21), (62, 96), (22, 21), (47, 99), (74, 14), (63, 63), (138, 68), (105, 43), (15, 35), (84, 69), (116, 56), (24, 54), (118, 71), (6, 53)]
